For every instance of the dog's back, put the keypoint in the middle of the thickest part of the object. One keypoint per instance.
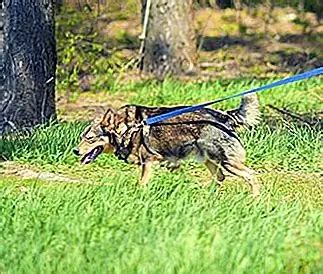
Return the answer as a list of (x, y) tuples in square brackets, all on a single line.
[(247, 114), (182, 135)]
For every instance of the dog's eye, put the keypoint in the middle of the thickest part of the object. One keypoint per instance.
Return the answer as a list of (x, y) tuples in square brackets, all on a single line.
[(86, 131), (89, 138), (104, 131)]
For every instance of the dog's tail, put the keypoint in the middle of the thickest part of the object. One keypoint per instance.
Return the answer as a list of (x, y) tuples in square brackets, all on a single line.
[(247, 114)]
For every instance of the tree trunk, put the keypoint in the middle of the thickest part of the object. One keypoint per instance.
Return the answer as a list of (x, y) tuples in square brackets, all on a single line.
[(2, 74), (169, 45), (29, 46)]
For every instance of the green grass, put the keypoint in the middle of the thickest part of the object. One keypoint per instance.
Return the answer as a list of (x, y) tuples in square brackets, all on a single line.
[(172, 227), (301, 96), (109, 225)]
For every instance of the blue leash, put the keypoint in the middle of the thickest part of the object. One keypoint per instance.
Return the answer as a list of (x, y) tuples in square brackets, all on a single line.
[(162, 117)]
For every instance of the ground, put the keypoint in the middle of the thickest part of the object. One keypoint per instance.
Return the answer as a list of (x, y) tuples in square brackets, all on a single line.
[(57, 215), (60, 216)]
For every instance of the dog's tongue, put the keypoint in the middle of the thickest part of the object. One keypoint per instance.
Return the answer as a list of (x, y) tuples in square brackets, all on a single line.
[(92, 155), (87, 159)]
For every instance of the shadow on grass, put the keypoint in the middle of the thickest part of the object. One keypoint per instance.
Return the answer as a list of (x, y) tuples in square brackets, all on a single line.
[(315, 39), (210, 43), (301, 55), (297, 60)]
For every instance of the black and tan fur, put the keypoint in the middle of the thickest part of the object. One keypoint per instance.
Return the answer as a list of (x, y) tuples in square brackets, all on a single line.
[(208, 135)]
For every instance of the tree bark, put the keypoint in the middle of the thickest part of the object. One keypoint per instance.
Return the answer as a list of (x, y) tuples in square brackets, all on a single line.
[(2, 74), (29, 46), (169, 45)]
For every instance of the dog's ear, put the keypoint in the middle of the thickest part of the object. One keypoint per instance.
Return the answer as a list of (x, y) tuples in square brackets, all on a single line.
[(108, 118)]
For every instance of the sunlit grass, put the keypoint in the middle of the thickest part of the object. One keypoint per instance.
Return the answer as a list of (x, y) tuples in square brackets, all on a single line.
[(171, 227), (109, 224)]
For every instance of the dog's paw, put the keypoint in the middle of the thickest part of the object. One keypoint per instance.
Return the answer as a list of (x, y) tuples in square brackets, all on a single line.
[(171, 166)]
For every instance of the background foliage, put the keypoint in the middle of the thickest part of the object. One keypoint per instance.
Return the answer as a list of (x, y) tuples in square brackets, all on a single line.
[(58, 216)]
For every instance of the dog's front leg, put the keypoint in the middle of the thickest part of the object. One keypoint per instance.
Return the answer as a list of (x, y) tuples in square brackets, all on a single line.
[(215, 170), (147, 161), (146, 173)]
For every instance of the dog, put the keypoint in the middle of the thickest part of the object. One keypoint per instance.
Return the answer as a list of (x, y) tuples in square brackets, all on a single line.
[(209, 135)]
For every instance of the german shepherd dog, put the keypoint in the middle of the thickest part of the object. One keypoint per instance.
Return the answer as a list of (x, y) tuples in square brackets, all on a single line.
[(207, 134)]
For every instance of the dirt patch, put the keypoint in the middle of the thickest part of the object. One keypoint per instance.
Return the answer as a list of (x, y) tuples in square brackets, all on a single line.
[(87, 106), (10, 168)]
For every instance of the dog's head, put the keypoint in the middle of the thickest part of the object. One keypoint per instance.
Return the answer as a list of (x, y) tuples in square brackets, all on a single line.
[(97, 138), (105, 134)]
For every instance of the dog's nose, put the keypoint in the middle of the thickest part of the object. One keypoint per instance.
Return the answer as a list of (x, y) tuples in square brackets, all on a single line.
[(76, 151)]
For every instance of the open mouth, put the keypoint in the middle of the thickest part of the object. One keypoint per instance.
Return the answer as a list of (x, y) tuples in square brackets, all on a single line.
[(92, 155)]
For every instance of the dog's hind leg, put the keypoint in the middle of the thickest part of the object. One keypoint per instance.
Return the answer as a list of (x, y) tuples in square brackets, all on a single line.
[(215, 170), (146, 173), (246, 173)]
